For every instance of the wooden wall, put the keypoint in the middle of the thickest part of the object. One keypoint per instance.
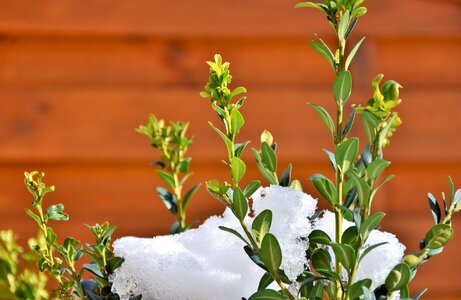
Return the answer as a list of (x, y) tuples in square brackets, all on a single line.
[(76, 78)]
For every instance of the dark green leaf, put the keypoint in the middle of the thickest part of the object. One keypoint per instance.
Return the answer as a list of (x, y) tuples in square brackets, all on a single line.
[(189, 195), (342, 87), (226, 140), (266, 295), (350, 236), (356, 289), (398, 277), (268, 156), (345, 254), (316, 292), (254, 257), (369, 249), (347, 213), (331, 157), (265, 281), (325, 116), (363, 190), (239, 204), (346, 153), (370, 123), (352, 53), (251, 188), (325, 187), (271, 254), (114, 263), (234, 232), (438, 236), (93, 268), (168, 199), (350, 121), (239, 148), (370, 224), (319, 237), (238, 169), (321, 259), (261, 225), (285, 178), (435, 208)]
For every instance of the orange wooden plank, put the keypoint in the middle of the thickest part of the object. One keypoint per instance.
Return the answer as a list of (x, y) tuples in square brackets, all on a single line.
[(180, 62), (207, 18), (98, 124)]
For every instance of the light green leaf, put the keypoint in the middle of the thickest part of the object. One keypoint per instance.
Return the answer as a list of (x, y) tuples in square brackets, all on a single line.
[(342, 87), (325, 52), (343, 25), (237, 121), (438, 236), (377, 167), (398, 277), (226, 140), (261, 225), (239, 204), (346, 154), (251, 188), (271, 254), (238, 169), (167, 178)]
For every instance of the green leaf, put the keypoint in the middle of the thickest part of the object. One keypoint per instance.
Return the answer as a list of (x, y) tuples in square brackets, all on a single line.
[(353, 52), (239, 148), (342, 87), (435, 208), (271, 254), (370, 123), (238, 169), (268, 156), (234, 232), (326, 118), (251, 188), (356, 289), (226, 140), (56, 213), (296, 185), (325, 52), (285, 178), (261, 225), (343, 25), (319, 237), (266, 295), (350, 121), (363, 189), (167, 178), (93, 268), (50, 235), (345, 254), (316, 292), (189, 195), (331, 157), (438, 236), (346, 154), (398, 277), (239, 204), (33, 216), (239, 90), (308, 4), (265, 281), (237, 121), (325, 187), (370, 224), (350, 236), (321, 259), (376, 168), (168, 199), (369, 249)]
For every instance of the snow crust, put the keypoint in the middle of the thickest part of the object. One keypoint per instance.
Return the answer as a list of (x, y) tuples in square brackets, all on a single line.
[(208, 263)]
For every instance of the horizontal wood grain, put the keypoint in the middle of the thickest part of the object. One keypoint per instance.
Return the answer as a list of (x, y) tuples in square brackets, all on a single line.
[(91, 124), (267, 62), (212, 18)]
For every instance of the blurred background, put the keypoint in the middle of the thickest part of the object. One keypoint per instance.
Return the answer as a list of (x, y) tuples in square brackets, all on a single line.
[(76, 78)]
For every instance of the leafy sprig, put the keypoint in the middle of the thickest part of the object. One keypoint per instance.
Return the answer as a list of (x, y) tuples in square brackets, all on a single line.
[(172, 142)]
